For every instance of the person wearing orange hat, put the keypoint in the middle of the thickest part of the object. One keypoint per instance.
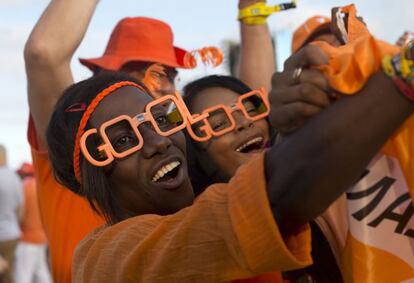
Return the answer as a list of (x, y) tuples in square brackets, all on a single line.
[(313, 29), (131, 50), (294, 111), (31, 253), (134, 44)]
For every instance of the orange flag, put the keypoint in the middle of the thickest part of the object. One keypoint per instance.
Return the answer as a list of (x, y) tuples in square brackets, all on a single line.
[(380, 240)]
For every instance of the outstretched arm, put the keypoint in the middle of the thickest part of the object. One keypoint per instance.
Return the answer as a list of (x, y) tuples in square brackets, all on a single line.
[(257, 62), (310, 168), (48, 53)]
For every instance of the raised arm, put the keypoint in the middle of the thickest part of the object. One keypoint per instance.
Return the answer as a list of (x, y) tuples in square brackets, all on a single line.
[(257, 62), (310, 168), (48, 53)]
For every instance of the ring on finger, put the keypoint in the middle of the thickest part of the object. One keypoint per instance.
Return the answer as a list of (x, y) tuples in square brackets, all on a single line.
[(296, 75)]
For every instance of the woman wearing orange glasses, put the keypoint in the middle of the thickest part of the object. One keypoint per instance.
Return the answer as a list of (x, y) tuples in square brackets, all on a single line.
[(218, 159), (155, 229)]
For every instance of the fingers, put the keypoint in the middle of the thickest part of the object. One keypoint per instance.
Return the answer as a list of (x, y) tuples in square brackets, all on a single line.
[(296, 96), (307, 93), (309, 76), (308, 56), (292, 106), (289, 117)]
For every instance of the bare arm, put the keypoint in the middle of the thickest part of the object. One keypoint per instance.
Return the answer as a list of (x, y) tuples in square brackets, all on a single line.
[(257, 62), (313, 166), (48, 53), (20, 213), (4, 265)]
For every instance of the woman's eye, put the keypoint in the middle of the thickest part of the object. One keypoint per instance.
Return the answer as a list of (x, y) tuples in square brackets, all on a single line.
[(162, 120), (125, 141), (219, 125), (252, 110)]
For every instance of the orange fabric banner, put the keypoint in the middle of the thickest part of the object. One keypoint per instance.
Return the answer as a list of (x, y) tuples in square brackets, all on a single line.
[(380, 239)]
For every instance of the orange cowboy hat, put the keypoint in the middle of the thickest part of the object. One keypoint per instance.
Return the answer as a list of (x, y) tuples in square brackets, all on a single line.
[(139, 39), (305, 31)]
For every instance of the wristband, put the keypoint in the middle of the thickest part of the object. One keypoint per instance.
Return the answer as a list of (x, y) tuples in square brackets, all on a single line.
[(257, 13), (392, 67)]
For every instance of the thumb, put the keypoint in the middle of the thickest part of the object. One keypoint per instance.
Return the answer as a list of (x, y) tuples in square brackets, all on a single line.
[(308, 56)]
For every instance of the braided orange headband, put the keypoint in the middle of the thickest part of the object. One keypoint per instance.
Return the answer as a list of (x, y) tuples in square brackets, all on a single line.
[(92, 106)]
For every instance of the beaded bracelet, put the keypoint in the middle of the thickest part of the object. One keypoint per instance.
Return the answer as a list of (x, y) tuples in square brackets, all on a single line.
[(400, 69)]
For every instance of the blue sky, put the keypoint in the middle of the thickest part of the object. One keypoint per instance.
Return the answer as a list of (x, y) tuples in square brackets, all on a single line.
[(195, 24)]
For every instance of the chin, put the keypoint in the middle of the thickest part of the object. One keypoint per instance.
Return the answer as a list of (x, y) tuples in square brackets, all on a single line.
[(185, 199)]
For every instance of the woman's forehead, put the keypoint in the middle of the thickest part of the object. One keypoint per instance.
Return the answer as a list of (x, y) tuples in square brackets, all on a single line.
[(212, 96), (127, 100)]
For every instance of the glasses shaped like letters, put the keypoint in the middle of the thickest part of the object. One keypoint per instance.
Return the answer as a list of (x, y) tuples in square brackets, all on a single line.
[(121, 136)]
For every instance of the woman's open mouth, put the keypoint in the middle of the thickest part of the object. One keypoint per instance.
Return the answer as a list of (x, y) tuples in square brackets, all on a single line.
[(167, 172), (253, 145), (169, 176)]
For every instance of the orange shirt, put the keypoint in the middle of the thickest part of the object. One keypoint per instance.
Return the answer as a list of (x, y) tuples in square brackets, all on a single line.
[(228, 233), (32, 229), (66, 217)]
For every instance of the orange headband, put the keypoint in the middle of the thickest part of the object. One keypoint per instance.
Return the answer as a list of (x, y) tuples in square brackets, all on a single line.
[(82, 124)]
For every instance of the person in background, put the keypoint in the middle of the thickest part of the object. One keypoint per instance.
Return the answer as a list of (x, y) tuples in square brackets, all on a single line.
[(31, 252), (313, 29), (11, 198)]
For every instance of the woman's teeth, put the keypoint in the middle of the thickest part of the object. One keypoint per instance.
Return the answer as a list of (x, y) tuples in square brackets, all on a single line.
[(165, 170), (250, 142)]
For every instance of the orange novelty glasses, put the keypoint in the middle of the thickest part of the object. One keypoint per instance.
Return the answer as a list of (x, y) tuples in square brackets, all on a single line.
[(121, 136), (219, 120), (168, 115)]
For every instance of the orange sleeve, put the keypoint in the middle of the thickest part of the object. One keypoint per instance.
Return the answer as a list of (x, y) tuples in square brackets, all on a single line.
[(228, 233), (31, 133), (66, 217)]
